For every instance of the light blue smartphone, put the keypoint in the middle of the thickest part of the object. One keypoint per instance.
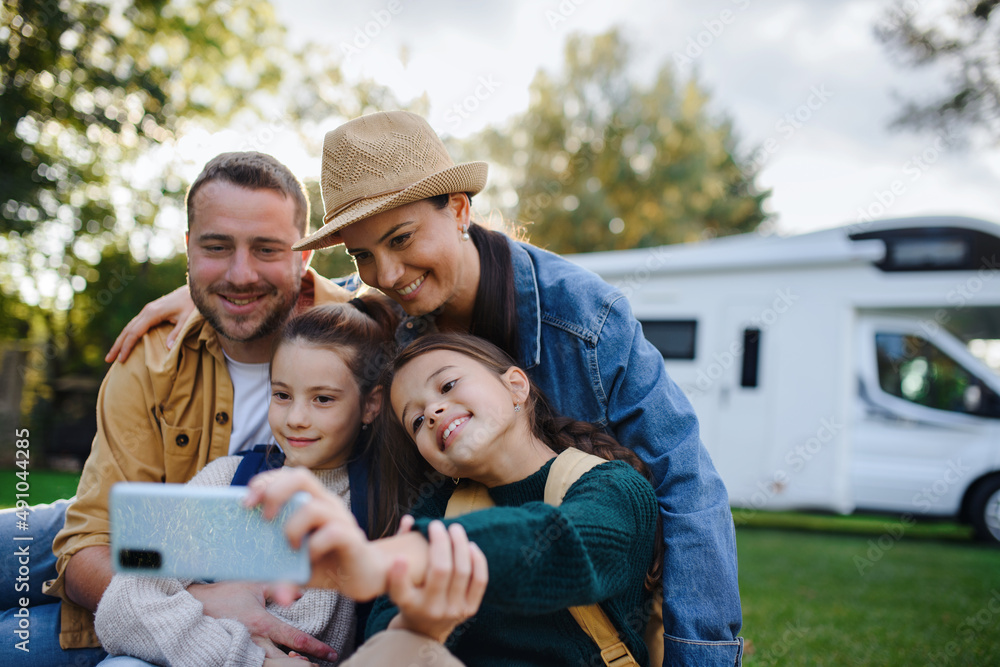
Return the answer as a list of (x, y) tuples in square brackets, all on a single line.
[(201, 533)]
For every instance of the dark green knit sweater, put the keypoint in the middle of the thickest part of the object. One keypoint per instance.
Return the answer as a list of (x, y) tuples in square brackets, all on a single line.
[(595, 547)]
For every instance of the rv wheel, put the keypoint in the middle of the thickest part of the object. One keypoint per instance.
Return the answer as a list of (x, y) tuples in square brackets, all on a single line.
[(985, 507)]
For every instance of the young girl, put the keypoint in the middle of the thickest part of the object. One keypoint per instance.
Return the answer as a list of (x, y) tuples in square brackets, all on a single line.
[(471, 413), (324, 399)]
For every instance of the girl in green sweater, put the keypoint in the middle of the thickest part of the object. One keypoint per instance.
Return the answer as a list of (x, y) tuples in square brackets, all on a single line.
[(473, 414)]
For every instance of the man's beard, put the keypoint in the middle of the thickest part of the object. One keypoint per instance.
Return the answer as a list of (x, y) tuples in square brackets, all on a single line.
[(273, 320)]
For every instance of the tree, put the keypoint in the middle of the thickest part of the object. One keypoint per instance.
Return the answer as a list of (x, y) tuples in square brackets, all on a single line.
[(598, 162), (964, 40), (95, 99), (62, 377), (87, 89)]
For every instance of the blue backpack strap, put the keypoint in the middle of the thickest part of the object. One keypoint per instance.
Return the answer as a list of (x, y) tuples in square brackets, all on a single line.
[(357, 474), (258, 459)]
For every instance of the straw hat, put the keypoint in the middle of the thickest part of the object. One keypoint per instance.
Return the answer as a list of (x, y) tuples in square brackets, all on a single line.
[(380, 161)]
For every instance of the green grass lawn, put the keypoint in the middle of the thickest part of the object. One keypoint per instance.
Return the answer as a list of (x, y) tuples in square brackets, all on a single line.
[(44, 486), (827, 590), (835, 598)]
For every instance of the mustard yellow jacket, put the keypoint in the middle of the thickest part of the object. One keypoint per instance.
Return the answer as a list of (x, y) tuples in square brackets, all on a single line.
[(161, 416)]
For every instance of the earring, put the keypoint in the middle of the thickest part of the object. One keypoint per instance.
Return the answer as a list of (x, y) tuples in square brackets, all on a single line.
[(456, 480), (465, 232), (364, 427), (517, 407)]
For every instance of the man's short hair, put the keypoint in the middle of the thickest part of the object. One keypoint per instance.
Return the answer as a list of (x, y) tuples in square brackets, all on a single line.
[(254, 171)]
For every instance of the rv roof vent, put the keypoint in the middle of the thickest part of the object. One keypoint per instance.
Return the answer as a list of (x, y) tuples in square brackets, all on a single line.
[(935, 249)]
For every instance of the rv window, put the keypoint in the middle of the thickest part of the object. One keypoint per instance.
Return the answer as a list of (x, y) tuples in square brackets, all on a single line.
[(751, 357), (929, 253), (914, 369), (673, 338)]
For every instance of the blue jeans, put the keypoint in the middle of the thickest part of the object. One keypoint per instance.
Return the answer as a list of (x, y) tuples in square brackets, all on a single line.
[(34, 627)]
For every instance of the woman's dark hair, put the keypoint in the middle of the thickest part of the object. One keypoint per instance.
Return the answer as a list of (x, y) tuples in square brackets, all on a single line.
[(362, 333), (494, 314), (411, 479)]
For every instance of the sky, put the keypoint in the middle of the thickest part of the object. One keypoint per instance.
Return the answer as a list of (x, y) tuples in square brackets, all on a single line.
[(809, 89)]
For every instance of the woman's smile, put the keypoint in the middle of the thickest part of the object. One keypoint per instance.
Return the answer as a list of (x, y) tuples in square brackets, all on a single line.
[(412, 287)]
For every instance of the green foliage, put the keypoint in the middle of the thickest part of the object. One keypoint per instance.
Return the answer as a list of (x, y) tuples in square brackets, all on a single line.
[(88, 88), (15, 318), (94, 99), (121, 287), (599, 162), (90, 95), (963, 38), (65, 364)]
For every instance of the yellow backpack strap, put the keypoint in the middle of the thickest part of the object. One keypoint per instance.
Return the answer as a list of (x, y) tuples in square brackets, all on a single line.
[(599, 627), (568, 467), (468, 497), (654, 630)]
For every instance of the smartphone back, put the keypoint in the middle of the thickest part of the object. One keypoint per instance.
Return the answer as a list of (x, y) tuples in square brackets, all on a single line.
[(201, 533)]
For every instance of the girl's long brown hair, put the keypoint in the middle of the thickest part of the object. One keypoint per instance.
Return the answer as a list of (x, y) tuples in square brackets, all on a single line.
[(408, 480)]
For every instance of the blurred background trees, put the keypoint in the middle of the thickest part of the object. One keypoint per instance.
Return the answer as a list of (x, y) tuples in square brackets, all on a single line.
[(92, 95), (600, 162), (89, 90), (97, 100), (962, 38)]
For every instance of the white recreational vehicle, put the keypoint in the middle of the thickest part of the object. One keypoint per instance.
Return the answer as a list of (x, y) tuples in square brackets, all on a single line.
[(832, 370)]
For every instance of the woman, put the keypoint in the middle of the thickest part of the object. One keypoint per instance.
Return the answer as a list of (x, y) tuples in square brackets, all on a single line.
[(459, 404), (401, 207)]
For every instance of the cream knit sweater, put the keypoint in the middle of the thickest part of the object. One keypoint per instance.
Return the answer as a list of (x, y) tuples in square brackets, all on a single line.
[(157, 620)]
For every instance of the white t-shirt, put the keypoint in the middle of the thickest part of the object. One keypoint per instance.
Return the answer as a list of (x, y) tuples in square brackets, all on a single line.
[(251, 397)]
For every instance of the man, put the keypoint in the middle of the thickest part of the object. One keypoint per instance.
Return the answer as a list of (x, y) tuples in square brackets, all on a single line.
[(163, 414)]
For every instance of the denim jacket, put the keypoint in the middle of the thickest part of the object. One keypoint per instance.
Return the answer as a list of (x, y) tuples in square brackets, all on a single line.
[(581, 345)]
